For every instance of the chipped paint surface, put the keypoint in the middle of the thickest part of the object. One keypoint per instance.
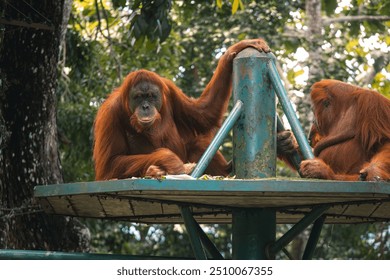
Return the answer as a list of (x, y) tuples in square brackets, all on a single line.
[(254, 134)]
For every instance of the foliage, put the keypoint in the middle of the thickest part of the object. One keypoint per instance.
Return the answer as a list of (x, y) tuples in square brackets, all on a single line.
[(366, 241), (152, 21), (154, 240), (182, 40)]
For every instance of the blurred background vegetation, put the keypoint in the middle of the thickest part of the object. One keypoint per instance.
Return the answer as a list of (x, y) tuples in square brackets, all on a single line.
[(182, 40)]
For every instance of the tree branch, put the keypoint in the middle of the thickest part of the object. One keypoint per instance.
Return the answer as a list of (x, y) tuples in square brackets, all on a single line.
[(327, 21), (294, 34)]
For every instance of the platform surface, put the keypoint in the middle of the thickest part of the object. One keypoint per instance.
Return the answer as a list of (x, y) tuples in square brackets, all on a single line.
[(211, 201)]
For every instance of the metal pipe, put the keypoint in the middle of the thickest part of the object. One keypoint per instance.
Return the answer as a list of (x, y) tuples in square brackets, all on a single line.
[(313, 239), (275, 247), (254, 134), (294, 158), (289, 111), (209, 246), (254, 150), (217, 141), (9, 254), (287, 253), (193, 233)]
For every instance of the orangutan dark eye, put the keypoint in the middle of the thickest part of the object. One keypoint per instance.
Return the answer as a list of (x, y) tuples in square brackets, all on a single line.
[(326, 103)]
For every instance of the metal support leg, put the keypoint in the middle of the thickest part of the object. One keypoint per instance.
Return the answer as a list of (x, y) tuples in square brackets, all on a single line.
[(193, 233), (198, 237), (254, 150), (253, 229), (296, 229), (313, 239), (208, 245)]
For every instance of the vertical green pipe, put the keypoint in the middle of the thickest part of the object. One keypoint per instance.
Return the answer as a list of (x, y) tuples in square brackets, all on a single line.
[(254, 140), (254, 150), (252, 229)]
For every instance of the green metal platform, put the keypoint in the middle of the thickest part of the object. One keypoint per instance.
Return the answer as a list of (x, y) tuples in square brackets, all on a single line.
[(212, 201), (254, 203)]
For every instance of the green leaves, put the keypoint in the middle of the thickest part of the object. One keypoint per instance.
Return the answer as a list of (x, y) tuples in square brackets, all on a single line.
[(181, 40), (151, 20), (329, 6), (236, 4), (118, 3)]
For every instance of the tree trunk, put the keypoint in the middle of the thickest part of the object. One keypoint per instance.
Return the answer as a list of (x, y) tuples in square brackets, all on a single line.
[(29, 51), (314, 39)]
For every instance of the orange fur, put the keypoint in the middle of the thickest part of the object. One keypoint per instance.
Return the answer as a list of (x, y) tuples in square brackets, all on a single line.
[(351, 135), (182, 131)]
